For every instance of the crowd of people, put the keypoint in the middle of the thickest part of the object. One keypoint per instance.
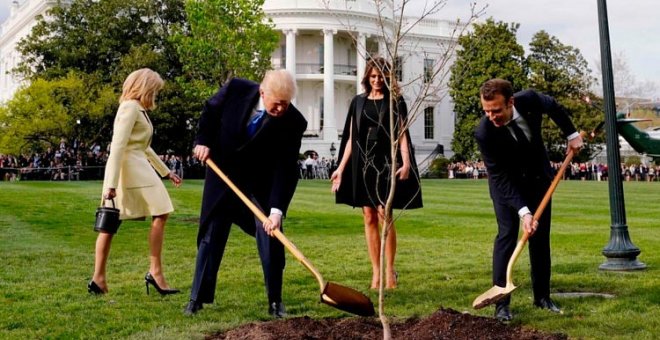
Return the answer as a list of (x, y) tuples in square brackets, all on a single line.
[(75, 161), (314, 168), (473, 170), (79, 162), (585, 171)]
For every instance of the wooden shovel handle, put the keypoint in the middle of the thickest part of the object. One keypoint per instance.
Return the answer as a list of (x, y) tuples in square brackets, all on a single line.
[(539, 212), (262, 217)]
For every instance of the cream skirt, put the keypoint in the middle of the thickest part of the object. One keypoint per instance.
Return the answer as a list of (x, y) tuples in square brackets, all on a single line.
[(138, 203)]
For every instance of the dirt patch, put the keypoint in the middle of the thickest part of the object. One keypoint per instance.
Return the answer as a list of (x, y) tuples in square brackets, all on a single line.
[(443, 324)]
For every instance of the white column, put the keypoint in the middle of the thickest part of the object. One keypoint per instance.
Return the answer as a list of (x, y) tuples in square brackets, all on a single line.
[(291, 54), (361, 61), (291, 50), (329, 119)]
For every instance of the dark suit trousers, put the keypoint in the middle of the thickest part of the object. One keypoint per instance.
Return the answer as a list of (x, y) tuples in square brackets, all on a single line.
[(211, 242), (508, 224)]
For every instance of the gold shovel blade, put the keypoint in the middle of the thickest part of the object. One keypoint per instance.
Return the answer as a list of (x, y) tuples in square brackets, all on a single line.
[(496, 293), (347, 299)]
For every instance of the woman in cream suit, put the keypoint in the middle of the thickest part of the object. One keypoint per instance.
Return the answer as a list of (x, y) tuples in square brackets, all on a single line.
[(131, 180)]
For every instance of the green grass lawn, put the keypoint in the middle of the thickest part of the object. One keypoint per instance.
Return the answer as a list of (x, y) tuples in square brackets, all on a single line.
[(444, 256)]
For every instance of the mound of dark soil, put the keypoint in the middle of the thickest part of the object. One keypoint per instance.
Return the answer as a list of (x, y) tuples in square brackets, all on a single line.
[(443, 324)]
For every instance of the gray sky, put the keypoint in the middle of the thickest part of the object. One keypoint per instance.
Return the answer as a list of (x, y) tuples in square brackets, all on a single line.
[(4, 9), (634, 27)]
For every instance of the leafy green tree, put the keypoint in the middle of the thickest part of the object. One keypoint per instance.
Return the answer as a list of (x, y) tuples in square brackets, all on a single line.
[(489, 51), (92, 36), (107, 40), (556, 69), (224, 39), (560, 71), (39, 115)]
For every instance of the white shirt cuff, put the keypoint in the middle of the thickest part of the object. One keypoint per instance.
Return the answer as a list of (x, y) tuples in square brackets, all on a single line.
[(573, 135), (276, 211), (523, 211)]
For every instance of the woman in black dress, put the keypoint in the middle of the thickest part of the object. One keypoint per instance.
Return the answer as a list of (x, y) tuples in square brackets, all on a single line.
[(363, 176)]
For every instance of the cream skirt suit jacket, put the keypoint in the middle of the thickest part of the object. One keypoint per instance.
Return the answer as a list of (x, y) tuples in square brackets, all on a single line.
[(131, 164)]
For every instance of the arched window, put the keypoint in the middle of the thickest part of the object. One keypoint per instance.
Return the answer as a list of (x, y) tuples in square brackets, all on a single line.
[(428, 123)]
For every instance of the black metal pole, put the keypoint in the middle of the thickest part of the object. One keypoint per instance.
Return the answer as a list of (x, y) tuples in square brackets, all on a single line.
[(620, 252)]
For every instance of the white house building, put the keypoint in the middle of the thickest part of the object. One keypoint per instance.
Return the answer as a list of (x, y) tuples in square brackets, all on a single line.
[(325, 44)]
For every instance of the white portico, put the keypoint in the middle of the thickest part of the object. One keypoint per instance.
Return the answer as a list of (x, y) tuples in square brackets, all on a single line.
[(325, 44)]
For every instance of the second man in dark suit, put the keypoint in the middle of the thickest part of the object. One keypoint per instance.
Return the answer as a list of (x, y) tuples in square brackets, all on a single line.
[(253, 133), (519, 174)]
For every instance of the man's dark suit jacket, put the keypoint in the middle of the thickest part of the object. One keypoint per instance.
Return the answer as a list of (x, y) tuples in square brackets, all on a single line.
[(265, 166), (509, 171)]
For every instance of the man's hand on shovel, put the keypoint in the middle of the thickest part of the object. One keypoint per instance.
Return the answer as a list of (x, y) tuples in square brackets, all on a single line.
[(530, 224), (576, 144), (272, 223)]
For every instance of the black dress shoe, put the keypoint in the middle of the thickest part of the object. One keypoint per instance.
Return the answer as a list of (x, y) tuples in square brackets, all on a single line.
[(547, 303), (192, 308), (502, 313), (276, 309)]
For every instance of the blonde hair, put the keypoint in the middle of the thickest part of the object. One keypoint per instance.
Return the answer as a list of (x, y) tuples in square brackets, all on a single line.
[(142, 85), (279, 84)]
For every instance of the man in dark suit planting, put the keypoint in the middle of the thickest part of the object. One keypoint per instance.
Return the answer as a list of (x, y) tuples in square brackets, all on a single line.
[(519, 174), (253, 133)]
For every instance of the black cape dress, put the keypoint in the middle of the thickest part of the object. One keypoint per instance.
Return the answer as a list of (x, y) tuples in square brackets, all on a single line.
[(366, 177)]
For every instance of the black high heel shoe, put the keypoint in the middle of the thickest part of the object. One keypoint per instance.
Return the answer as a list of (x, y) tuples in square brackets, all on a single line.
[(148, 279), (93, 288)]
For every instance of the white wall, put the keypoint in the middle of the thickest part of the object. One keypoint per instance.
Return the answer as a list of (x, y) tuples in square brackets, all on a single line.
[(18, 25)]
